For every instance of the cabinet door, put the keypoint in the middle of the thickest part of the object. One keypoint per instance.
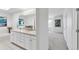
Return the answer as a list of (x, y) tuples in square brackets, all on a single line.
[(13, 36), (20, 39), (34, 42), (28, 42)]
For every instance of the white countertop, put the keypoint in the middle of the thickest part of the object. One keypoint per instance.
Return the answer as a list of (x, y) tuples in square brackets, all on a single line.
[(28, 32)]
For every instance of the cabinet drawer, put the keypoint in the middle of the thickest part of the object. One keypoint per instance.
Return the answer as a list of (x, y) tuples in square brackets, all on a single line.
[(32, 37), (25, 35)]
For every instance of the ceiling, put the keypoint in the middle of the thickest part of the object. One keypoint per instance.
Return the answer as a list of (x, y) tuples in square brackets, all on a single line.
[(14, 10)]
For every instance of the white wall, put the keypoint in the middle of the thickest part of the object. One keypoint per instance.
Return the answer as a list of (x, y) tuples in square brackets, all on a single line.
[(3, 30), (55, 13), (16, 16), (69, 24), (70, 28), (42, 28), (29, 20)]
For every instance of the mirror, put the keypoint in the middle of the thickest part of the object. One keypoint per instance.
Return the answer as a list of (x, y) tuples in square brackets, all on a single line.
[(27, 22)]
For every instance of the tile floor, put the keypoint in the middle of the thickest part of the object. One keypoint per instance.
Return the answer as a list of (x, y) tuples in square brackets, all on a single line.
[(57, 41), (5, 44)]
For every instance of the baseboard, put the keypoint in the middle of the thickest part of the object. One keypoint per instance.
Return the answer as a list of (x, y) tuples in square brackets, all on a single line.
[(19, 46)]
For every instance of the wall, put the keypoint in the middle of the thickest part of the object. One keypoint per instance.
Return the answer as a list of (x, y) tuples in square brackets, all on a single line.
[(3, 30), (69, 24), (42, 28), (16, 16), (29, 20), (53, 14)]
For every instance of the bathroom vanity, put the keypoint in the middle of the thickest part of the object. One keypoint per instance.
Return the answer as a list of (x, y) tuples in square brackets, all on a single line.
[(24, 38)]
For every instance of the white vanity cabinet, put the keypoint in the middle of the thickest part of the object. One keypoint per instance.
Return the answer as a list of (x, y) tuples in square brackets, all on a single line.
[(27, 41), (24, 40)]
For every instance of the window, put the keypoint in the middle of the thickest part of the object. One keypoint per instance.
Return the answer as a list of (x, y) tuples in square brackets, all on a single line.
[(3, 21), (21, 23)]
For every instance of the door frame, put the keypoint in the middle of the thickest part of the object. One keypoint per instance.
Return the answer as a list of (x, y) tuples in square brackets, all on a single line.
[(75, 27), (77, 10)]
